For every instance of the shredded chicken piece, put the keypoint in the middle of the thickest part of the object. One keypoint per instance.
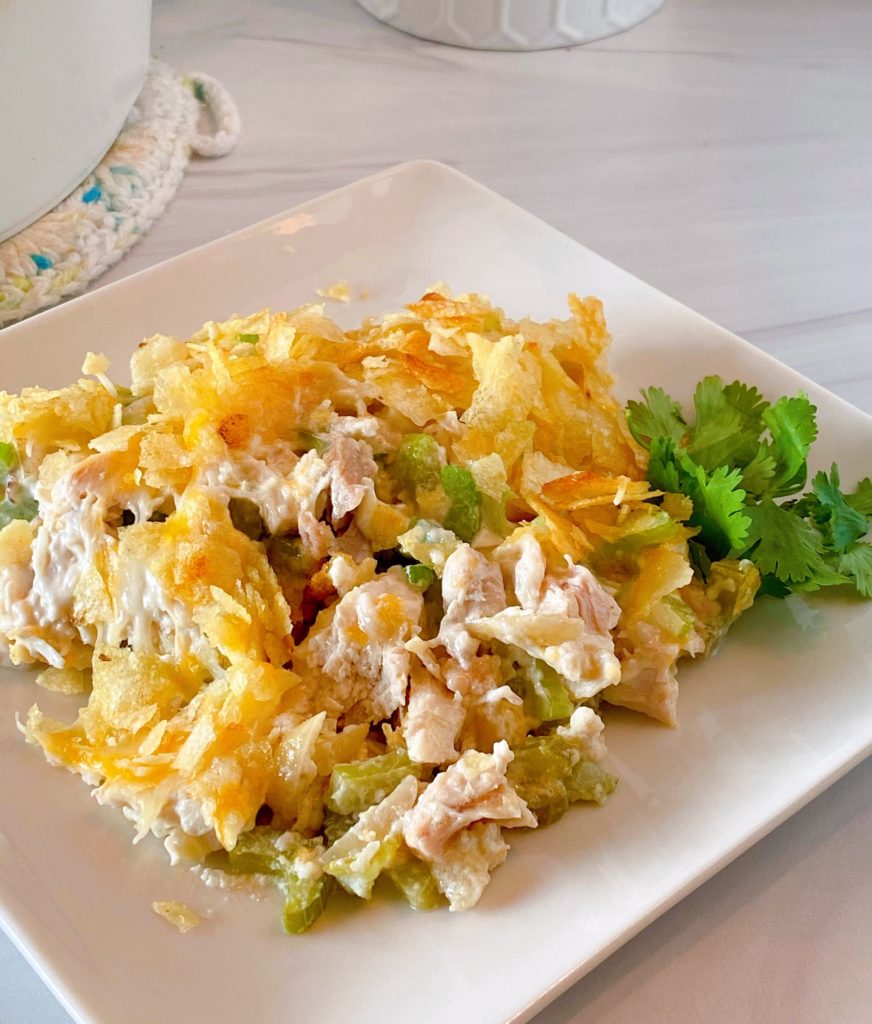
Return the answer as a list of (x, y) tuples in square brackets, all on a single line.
[(352, 469), (473, 789), (274, 478), (41, 624), (463, 872), (585, 659), (475, 680), (577, 592), (493, 710), (316, 537), (358, 654), (310, 480), (523, 565), (565, 618), (150, 619), (648, 680), (432, 722), (472, 587), (585, 730)]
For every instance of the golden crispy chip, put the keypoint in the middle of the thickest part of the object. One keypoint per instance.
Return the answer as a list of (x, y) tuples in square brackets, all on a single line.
[(661, 571), (16, 539), (178, 914), (678, 506), (70, 681), (489, 474), (117, 440), (565, 535), (508, 387), (436, 375), (57, 420), (153, 355), (400, 390), (198, 549), (165, 460), (580, 490), (339, 292), (131, 688), (92, 601)]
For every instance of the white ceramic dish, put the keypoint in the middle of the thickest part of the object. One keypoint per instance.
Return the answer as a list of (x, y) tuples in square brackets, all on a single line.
[(70, 71), (512, 24), (778, 715)]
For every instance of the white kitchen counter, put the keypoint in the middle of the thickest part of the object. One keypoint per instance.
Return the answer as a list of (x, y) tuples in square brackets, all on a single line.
[(722, 151)]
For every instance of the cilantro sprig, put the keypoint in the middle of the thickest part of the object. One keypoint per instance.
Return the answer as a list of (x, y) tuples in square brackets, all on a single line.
[(735, 460)]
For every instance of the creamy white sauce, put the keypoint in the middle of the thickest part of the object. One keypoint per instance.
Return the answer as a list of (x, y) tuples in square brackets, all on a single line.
[(149, 619), (36, 602), (242, 475)]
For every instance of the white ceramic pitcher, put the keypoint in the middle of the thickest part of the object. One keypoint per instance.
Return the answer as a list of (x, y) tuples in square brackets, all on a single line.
[(512, 24)]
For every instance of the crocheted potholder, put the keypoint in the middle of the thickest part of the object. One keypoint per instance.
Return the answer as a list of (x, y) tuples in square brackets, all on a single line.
[(61, 253)]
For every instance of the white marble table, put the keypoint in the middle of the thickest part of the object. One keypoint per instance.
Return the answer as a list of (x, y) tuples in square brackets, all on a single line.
[(722, 151)]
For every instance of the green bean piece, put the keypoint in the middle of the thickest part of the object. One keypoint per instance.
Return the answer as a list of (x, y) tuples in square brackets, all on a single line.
[(418, 463), (420, 576), (361, 784), (464, 513), (246, 517)]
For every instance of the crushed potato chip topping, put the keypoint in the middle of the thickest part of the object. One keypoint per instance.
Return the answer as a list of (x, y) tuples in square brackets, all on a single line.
[(178, 914), (340, 292), (346, 603)]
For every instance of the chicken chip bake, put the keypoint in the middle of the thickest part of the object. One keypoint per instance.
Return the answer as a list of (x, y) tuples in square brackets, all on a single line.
[(345, 604)]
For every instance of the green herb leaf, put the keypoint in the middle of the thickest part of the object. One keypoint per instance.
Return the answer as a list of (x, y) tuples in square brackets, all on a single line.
[(861, 499), (657, 416), (857, 564), (826, 576), (718, 507), (748, 403), (771, 587), (718, 499), (740, 454), (663, 465), (793, 428), (844, 524), (728, 423), (756, 476), (783, 544)]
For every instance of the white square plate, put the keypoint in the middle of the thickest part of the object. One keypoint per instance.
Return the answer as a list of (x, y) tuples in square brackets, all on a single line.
[(778, 715)]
